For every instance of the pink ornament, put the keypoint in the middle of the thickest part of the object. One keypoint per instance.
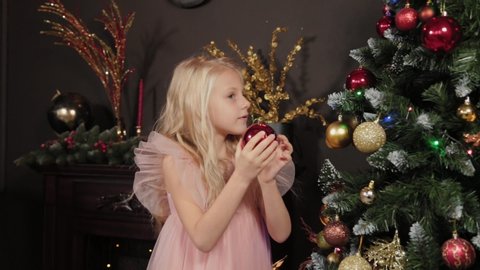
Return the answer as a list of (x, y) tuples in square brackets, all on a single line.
[(441, 34)]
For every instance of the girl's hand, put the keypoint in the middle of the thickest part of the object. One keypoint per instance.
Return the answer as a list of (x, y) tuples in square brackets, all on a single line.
[(282, 155), (254, 156)]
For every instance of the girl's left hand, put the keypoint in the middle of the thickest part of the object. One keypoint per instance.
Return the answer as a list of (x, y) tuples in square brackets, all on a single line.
[(283, 156)]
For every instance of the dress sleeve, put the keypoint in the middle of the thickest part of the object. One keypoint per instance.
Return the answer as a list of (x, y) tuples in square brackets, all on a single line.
[(285, 177), (149, 182)]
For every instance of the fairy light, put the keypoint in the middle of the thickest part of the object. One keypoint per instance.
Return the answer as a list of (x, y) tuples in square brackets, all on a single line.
[(470, 152), (109, 265)]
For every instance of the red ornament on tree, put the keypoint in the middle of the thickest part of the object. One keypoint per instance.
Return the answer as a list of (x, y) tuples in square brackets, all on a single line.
[(336, 233), (383, 24), (458, 253), (441, 34), (255, 128), (359, 78), (406, 19), (426, 13)]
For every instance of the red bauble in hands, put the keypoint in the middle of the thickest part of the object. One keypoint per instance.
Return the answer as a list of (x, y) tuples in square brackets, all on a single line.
[(441, 34), (359, 78), (255, 128), (406, 19), (458, 253)]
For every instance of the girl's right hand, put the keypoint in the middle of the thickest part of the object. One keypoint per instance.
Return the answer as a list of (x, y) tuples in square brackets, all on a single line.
[(254, 156)]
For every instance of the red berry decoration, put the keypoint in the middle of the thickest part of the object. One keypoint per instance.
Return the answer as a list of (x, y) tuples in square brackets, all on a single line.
[(406, 19), (255, 128), (336, 233), (441, 34), (383, 24), (458, 253), (359, 78)]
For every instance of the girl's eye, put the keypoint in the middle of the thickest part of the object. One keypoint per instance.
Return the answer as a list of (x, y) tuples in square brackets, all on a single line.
[(231, 96)]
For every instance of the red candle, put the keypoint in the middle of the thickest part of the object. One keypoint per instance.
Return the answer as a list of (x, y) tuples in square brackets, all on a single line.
[(140, 104)]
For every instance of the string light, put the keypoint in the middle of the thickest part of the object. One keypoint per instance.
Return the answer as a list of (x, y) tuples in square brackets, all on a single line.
[(470, 152), (109, 265)]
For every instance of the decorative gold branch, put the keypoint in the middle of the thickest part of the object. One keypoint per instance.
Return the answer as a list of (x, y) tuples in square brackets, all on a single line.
[(107, 63), (262, 89)]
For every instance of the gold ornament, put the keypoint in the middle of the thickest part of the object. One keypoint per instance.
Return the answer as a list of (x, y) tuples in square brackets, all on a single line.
[(387, 255), (324, 219), (367, 194), (265, 85), (467, 111), (354, 262), (338, 135), (321, 243), (334, 257), (107, 63), (368, 137)]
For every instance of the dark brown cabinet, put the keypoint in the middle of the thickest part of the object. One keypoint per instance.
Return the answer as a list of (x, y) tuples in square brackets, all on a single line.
[(84, 205)]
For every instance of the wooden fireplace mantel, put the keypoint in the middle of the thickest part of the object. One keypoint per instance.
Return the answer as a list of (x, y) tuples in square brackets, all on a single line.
[(86, 200)]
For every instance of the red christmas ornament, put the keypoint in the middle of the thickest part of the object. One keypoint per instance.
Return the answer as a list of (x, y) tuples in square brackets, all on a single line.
[(458, 253), (359, 78), (441, 34), (255, 128), (383, 24), (406, 19), (336, 233), (426, 13)]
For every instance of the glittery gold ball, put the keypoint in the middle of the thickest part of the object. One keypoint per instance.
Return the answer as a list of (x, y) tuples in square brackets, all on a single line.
[(368, 137), (354, 262), (467, 112)]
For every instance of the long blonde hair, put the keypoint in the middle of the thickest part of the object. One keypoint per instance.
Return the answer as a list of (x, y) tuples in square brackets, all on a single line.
[(185, 117)]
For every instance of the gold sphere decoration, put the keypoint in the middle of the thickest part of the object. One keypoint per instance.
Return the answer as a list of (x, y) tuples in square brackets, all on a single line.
[(367, 194), (467, 111), (321, 242), (354, 262), (368, 137), (338, 135), (334, 257)]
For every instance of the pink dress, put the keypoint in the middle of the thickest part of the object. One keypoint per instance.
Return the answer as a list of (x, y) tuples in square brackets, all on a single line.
[(243, 246)]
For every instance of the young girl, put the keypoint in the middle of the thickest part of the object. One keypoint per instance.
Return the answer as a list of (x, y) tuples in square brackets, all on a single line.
[(218, 198)]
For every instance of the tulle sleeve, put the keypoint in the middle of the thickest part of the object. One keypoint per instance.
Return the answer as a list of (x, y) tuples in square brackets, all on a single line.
[(285, 177), (149, 182)]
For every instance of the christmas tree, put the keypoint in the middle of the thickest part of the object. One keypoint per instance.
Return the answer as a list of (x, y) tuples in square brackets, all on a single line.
[(411, 106)]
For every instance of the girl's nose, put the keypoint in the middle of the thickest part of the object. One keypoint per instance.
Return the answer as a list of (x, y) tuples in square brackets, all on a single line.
[(246, 103)]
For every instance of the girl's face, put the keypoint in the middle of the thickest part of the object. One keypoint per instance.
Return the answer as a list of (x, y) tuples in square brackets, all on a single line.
[(228, 108)]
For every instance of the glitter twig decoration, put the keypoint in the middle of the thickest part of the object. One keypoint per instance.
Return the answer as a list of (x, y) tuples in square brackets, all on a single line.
[(262, 89), (387, 255), (107, 63)]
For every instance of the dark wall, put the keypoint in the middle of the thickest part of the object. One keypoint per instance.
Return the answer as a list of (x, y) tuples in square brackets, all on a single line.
[(161, 36)]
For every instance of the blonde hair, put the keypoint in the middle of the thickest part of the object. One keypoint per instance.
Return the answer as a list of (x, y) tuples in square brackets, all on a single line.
[(185, 117)]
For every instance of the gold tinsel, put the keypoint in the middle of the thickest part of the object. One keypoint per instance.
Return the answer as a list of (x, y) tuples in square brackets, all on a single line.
[(387, 255), (107, 63), (262, 89)]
